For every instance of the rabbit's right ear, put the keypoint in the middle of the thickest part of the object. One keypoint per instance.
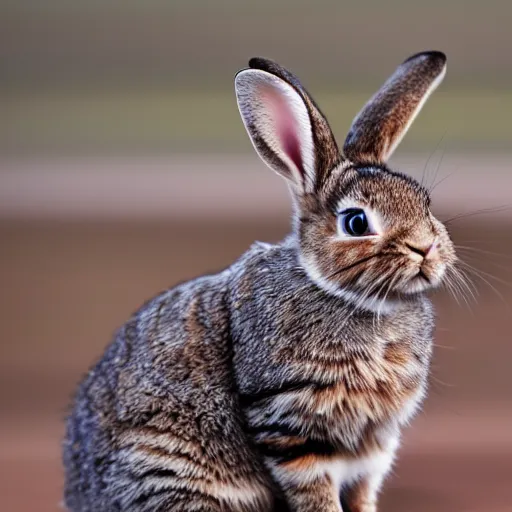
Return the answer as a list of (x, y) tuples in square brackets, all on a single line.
[(379, 127), (286, 127)]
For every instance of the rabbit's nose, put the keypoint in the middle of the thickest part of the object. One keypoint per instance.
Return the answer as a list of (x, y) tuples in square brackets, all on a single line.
[(425, 251)]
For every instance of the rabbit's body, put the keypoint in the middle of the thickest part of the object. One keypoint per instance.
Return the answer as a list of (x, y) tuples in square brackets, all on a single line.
[(282, 382), (321, 390), (158, 419)]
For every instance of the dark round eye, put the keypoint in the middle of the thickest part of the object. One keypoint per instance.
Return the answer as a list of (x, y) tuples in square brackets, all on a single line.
[(354, 222)]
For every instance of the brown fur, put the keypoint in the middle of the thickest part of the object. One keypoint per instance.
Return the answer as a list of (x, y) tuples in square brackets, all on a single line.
[(383, 120)]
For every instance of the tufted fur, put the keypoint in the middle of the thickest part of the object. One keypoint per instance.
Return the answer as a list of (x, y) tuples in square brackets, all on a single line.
[(282, 382)]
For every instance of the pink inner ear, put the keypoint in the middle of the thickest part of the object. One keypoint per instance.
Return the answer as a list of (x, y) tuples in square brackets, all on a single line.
[(285, 126)]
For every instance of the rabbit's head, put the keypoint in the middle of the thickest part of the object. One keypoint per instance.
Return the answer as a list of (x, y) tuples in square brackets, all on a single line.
[(364, 232)]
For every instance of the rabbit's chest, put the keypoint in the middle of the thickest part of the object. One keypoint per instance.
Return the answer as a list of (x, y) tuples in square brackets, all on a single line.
[(384, 381), (357, 397), (349, 408)]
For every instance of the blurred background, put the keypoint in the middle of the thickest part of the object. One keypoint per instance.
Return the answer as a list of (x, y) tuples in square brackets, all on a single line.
[(124, 168)]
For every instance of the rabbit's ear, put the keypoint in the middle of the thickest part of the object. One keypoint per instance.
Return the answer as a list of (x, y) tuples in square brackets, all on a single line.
[(285, 126), (384, 120)]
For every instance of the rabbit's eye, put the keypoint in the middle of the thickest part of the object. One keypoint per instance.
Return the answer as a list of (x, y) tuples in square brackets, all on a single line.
[(354, 222)]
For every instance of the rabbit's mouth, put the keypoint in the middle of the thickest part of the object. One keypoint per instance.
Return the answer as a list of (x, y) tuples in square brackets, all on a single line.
[(422, 275), (424, 279)]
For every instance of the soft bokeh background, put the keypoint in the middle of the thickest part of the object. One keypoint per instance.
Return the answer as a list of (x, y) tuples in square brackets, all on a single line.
[(124, 168)]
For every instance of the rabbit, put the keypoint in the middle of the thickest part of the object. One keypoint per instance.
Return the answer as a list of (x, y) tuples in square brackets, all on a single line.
[(283, 381)]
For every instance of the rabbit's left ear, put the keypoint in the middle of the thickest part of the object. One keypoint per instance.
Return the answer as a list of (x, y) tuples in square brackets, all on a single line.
[(285, 126), (384, 120)]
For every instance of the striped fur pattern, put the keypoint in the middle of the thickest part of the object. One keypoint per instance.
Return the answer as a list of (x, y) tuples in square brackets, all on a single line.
[(282, 382)]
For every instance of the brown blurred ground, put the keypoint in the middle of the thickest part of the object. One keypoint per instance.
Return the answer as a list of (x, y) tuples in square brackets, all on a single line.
[(67, 285)]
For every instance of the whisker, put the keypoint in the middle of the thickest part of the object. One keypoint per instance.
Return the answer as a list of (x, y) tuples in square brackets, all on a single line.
[(483, 251), (481, 240), (352, 265), (460, 293), (441, 382), (445, 347), (465, 282), (383, 300), (377, 315), (456, 288), (440, 181), (478, 274), (393, 281), (366, 292), (491, 276), (490, 261), (448, 286), (483, 211), (458, 285), (448, 283), (443, 152), (425, 168)]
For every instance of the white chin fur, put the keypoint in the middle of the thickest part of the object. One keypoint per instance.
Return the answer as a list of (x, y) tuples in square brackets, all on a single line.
[(373, 304), (419, 285)]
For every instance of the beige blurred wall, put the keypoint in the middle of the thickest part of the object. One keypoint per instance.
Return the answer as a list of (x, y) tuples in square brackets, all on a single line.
[(197, 43)]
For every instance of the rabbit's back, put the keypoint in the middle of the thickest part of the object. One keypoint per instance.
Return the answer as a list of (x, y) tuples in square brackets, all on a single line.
[(156, 421)]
